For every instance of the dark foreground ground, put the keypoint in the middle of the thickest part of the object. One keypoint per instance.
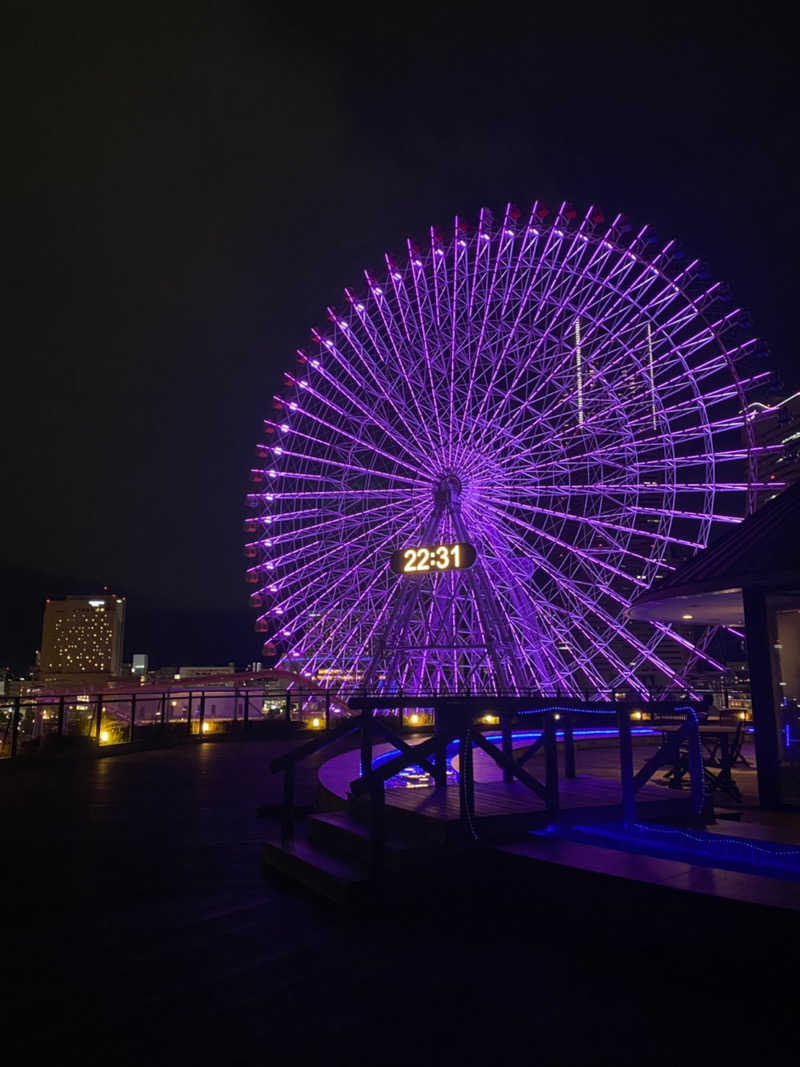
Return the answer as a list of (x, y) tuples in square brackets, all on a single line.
[(137, 929)]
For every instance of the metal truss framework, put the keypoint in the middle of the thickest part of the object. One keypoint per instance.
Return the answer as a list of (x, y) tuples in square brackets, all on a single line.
[(588, 389)]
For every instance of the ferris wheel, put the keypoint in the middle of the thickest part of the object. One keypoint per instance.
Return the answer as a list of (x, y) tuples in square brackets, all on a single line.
[(491, 450)]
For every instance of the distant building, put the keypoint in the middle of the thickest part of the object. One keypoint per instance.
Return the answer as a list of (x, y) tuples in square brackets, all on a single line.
[(777, 424), (81, 640), (140, 663), (199, 672)]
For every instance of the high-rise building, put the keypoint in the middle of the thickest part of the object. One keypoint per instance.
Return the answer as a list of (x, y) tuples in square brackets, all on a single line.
[(81, 640), (777, 426)]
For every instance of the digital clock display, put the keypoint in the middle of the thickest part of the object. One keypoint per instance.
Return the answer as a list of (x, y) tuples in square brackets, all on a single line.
[(423, 560)]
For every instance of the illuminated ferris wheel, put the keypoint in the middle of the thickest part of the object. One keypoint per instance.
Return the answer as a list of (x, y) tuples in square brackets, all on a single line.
[(491, 450)]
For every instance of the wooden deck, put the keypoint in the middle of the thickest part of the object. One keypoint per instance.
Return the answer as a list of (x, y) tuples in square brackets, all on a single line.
[(497, 802)]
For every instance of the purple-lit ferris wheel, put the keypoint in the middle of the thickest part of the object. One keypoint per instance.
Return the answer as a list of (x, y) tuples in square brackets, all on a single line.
[(538, 417)]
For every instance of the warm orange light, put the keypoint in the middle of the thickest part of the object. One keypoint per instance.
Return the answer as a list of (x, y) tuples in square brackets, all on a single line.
[(316, 723), (636, 715), (414, 719), (206, 727), (104, 735), (742, 715)]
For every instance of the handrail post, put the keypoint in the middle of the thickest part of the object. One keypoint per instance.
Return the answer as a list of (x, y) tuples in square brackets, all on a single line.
[(246, 708), (327, 709), (61, 715), (550, 761), (366, 741), (189, 714), (626, 765), (287, 810), (15, 726), (288, 705), (507, 745), (133, 717), (202, 716), (98, 719), (695, 765), (569, 746), (163, 709)]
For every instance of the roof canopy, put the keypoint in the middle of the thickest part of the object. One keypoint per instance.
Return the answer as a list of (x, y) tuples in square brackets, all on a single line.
[(761, 552)]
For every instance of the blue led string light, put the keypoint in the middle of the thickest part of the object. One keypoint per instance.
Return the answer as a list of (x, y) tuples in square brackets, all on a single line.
[(702, 845)]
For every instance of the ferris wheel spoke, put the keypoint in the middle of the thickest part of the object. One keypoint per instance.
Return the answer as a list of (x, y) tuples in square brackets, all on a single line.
[(512, 331), (671, 437), (391, 351), (337, 432), (338, 522), (332, 621), (362, 410), (410, 339), (604, 524), (561, 622), (679, 639), (327, 555), (475, 350), (558, 322), (572, 309), (595, 562), (330, 494), (527, 611), (594, 607)]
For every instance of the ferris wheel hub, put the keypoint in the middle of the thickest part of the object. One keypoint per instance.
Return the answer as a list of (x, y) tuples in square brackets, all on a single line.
[(447, 490)]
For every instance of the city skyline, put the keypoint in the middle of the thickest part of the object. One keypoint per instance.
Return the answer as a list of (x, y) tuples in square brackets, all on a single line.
[(154, 322)]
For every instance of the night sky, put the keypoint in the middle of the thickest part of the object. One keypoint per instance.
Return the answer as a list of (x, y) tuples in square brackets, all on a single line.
[(187, 188)]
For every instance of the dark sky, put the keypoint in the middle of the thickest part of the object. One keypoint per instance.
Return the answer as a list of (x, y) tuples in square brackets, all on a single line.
[(188, 187)]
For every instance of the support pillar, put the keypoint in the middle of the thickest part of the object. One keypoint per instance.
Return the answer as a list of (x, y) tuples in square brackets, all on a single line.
[(441, 735), (760, 631)]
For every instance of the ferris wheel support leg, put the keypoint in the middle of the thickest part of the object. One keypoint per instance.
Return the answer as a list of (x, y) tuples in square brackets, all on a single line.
[(399, 619)]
